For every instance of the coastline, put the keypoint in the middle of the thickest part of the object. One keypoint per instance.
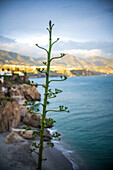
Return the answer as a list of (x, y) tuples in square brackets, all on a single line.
[(56, 160), (16, 156)]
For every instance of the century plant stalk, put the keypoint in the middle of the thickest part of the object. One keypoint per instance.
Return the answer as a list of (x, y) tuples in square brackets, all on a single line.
[(47, 95), (45, 100)]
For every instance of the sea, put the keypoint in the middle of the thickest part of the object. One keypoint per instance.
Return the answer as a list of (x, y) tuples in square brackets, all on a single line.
[(87, 130)]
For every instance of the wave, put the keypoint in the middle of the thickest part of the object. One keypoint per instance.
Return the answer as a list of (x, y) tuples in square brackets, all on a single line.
[(60, 146)]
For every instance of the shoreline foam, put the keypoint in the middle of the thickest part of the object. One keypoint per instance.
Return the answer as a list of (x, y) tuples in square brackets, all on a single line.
[(66, 152)]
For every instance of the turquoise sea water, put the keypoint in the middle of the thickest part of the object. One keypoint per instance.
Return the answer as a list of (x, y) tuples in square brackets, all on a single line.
[(87, 131)]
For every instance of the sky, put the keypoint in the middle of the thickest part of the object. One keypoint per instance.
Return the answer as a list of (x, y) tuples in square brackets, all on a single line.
[(85, 27)]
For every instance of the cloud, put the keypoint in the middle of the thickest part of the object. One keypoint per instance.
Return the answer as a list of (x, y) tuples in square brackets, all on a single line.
[(26, 46), (6, 39), (103, 45), (84, 49), (23, 49), (33, 39), (82, 53)]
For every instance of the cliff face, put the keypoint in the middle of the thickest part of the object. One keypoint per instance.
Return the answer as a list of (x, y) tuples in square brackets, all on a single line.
[(13, 113), (9, 115), (12, 109)]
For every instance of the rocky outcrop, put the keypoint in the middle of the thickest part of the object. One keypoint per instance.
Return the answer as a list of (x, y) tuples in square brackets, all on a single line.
[(47, 135), (19, 135), (12, 113), (20, 99), (31, 93), (27, 91), (26, 134), (14, 91), (2, 94), (32, 119), (24, 111), (13, 137), (9, 115)]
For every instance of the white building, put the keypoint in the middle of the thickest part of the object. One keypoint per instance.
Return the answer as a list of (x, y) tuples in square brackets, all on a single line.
[(1, 78), (7, 73)]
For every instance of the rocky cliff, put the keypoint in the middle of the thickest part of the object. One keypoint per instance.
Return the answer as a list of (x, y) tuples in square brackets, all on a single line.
[(12, 110), (13, 113), (9, 115), (28, 92)]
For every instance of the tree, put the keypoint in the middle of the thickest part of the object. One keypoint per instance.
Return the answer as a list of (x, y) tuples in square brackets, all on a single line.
[(16, 69), (47, 95)]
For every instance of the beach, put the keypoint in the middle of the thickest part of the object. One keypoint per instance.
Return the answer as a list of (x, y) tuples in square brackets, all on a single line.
[(16, 156)]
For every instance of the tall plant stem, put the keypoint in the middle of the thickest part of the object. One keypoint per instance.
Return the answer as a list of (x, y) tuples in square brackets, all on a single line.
[(45, 100)]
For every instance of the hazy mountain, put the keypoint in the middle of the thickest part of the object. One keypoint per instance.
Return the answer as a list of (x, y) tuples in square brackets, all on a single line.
[(98, 64), (100, 61), (17, 59), (72, 62)]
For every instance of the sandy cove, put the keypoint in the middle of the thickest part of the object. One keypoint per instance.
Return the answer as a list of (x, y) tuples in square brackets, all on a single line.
[(16, 156)]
